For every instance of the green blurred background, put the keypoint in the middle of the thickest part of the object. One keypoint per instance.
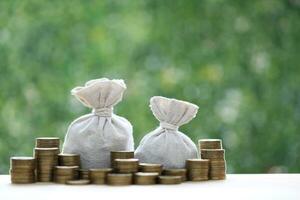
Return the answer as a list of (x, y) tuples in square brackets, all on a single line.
[(237, 60)]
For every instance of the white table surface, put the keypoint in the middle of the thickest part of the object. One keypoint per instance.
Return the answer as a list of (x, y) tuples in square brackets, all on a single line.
[(236, 186)]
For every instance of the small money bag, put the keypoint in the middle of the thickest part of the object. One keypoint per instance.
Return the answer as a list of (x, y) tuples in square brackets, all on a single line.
[(94, 135), (166, 145)]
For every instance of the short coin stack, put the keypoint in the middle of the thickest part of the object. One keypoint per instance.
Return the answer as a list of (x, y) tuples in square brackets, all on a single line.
[(84, 174), (68, 159), (120, 155), (145, 178), (149, 167), (129, 165), (98, 176), (212, 149), (63, 174), (176, 172), (168, 180), (119, 179), (197, 169), (22, 170), (46, 159)]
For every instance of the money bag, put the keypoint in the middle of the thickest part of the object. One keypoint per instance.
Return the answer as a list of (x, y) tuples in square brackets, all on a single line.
[(94, 135), (166, 144)]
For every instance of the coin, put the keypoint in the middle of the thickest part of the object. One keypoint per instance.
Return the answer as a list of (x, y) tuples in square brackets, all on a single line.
[(145, 178), (119, 179), (212, 154), (69, 159), (84, 174), (47, 142), (210, 144), (98, 176), (176, 172), (169, 179), (150, 167), (129, 165), (78, 182), (120, 155)]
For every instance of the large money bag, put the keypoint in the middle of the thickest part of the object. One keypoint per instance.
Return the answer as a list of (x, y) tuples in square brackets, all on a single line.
[(166, 145), (94, 135)]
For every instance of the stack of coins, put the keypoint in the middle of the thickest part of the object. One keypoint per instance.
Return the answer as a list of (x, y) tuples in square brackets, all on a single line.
[(69, 159), (62, 174), (217, 169), (197, 169), (119, 179), (149, 167), (176, 172), (169, 180), (129, 165), (78, 182), (120, 155), (84, 174), (46, 159), (98, 176), (210, 144), (145, 178), (47, 142), (22, 170)]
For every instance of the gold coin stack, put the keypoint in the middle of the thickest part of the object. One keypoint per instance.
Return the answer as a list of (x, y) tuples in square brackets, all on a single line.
[(46, 159), (129, 165), (47, 142), (150, 167), (119, 179), (145, 178), (176, 172), (99, 176), (210, 144), (217, 169), (84, 174), (22, 170), (120, 155), (62, 174), (169, 180), (197, 169), (69, 159)]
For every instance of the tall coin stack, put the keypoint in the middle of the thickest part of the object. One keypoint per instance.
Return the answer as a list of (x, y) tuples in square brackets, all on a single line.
[(45, 152), (212, 149), (197, 169), (69, 160), (120, 155), (22, 170), (46, 159), (98, 176), (63, 174)]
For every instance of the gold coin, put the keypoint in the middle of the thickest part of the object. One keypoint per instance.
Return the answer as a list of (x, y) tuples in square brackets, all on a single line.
[(69, 159), (119, 179), (47, 142), (213, 154), (150, 167), (210, 144), (176, 172), (78, 182), (145, 178), (197, 163), (169, 179), (120, 155), (129, 165)]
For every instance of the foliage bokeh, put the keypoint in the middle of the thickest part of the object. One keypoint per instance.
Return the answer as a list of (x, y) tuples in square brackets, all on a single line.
[(237, 60)]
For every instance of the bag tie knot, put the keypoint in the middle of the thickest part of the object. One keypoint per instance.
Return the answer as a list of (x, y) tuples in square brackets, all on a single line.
[(103, 112), (168, 126)]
